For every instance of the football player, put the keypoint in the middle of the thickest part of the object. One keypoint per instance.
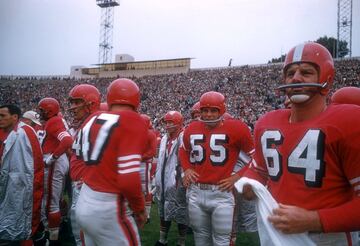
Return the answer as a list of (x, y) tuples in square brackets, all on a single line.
[(308, 155), (146, 165), (347, 95), (170, 193), (195, 111), (112, 145), (55, 142), (208, 155), (84, 99)]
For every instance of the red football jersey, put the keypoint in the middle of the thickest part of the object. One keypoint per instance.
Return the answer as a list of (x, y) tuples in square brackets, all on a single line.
[(54, 132), (78, 167), (151, 145), (212, 153), (111, 145), (312, 164)]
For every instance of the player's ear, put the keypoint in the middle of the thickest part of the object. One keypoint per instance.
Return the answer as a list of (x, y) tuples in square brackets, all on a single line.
[(15, 117)]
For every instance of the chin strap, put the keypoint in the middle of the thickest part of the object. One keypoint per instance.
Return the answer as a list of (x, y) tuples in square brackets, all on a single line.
[(211, 121)]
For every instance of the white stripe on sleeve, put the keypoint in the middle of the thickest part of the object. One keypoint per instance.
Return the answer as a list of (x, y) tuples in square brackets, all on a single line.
[(129, 164), (354, 180), (128, 157), (63, 134), (130, 170)]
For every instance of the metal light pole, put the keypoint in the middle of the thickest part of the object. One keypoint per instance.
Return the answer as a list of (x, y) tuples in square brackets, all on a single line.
[(344, 27), (106, 29)]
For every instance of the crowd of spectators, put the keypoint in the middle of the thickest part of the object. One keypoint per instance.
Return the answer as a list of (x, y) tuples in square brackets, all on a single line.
[(250, 90)]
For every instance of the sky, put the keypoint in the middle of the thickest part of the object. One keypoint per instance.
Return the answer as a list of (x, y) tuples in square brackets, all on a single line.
[(47, 37)]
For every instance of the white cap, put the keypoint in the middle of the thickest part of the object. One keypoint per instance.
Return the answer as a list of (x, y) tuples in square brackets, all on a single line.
[(33, 116)]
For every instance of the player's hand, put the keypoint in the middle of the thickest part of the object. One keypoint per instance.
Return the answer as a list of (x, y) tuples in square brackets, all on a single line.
[(140, 218), (190, 176), (228, 183), (248, 192), (291, 219)]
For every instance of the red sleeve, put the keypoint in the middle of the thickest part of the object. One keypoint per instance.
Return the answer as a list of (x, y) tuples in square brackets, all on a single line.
[(129, 154), (77, 168), (257, 168), (151, 146), (184, 152), (342, 218), (64, 145), (346, 217), (132, 191), (242, 170), (246, 140), (57, 129)]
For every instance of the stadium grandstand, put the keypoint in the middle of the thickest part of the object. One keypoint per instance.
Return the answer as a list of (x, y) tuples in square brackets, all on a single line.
[(250, 90), (125, 66)]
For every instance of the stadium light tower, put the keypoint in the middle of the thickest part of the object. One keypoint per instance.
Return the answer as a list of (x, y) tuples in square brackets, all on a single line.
[(344, 26), (106, 29)]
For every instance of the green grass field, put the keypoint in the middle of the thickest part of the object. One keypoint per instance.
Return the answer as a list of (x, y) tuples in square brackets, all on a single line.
[(150, 233)]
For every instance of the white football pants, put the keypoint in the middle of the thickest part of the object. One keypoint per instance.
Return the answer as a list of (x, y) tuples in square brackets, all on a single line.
[(104, 220), (211, 215)]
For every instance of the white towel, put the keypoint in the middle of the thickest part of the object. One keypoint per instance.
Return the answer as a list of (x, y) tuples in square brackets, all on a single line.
[(265, 204)]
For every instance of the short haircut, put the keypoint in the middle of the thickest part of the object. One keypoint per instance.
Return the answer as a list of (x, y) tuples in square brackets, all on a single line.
[(13, 109)]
